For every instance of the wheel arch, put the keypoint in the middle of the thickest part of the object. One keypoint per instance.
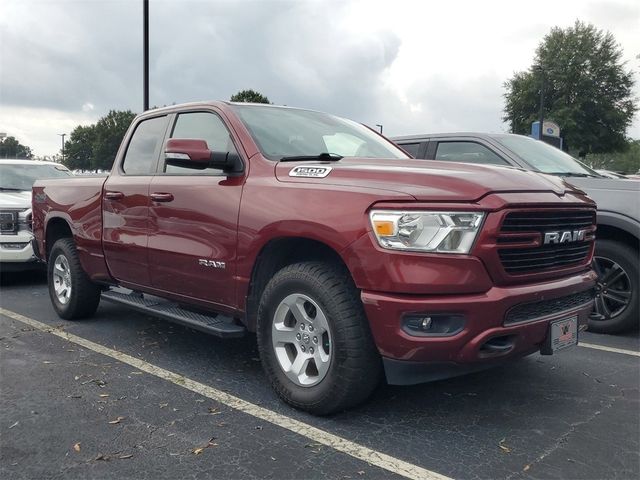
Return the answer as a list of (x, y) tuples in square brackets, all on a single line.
[(56, 228), (277, 254)]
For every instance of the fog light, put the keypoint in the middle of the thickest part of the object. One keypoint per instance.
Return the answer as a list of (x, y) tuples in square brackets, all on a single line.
[(14, 246), (433, 325)]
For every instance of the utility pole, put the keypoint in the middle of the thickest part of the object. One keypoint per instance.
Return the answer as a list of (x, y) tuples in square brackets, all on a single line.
[(62, 135), (541, 102), (145, 52)]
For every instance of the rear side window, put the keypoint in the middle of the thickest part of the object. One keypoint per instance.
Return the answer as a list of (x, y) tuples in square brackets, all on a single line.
[(202, 126), (469, 152), (144, 147), (411, 148)]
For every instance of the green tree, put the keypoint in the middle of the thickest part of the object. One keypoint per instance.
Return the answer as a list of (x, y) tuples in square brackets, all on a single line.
[(622, 162), (95, 146), (78, 150), (12, 148), (109, 132), (587, 89), (250, 96)]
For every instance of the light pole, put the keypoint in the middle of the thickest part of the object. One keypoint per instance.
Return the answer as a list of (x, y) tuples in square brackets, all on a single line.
[(541, 115), (62, 135), (380, 127), (145, 53)]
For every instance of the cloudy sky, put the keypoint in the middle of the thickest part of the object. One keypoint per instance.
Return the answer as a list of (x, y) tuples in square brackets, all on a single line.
[(413, 66)]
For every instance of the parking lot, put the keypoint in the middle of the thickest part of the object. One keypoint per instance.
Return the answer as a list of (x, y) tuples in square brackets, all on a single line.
[(123, 395)]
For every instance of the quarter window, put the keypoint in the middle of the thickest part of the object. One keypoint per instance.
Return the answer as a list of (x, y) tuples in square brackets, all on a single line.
[(144, 147), (202, 126), (469, 152)]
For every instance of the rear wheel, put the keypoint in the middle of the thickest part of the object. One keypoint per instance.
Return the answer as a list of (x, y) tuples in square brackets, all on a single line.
[(617, 298), (72, 294), (314, 339)]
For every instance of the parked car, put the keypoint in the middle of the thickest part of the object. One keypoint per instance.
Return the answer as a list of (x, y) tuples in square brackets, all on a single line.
[(616, 257), (16, 180), (610, 174), (345, 256)]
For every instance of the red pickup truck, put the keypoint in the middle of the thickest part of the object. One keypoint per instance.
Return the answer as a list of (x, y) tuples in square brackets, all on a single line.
[(348, 259)]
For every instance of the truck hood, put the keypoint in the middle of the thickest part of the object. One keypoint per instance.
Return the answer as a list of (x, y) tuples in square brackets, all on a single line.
[(426, 180), (15, 200), (613, 195)]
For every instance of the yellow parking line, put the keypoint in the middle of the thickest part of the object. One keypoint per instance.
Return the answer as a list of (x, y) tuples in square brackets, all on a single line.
[(609, 349), (368, 455)]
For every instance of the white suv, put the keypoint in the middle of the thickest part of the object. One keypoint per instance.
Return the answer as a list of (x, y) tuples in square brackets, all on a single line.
[(16, 179)]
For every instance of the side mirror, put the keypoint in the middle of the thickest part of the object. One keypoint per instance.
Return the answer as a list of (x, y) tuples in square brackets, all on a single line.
[(195, 153)]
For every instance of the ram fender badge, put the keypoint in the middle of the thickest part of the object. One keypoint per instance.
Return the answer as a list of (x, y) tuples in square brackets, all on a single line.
[(310, 171)]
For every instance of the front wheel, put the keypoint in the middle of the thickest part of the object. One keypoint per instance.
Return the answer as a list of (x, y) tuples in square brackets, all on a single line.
[(72, 294), (617, 294), (314, 339)]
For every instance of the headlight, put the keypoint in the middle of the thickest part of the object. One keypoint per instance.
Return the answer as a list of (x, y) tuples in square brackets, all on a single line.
[(441, 232)]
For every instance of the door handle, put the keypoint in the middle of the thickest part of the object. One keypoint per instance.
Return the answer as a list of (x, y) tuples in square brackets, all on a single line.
[(161, 197), (113, 195)]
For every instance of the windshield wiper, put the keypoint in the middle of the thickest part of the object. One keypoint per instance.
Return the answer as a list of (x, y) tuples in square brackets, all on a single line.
[(571, 174), (12, 189), (324, 157)]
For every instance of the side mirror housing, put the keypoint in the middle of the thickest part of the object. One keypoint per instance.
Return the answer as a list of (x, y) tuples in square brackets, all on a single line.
[(195, 153)]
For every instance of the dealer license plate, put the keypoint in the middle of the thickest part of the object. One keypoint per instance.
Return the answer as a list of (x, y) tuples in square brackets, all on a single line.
[(562, 334)]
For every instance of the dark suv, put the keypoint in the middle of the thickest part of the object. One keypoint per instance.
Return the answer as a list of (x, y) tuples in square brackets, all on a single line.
[(616, 257)]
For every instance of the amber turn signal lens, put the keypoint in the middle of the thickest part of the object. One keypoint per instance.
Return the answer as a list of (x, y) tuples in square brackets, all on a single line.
[(384, 227)]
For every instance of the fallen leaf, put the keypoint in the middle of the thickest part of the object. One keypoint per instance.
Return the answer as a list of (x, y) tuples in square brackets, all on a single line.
[(503, 446), (526, 467), (126, 456), (101, 457), (117, 420), (104, 395), (14, 425), (360, 472), (197, 451), (76, 447), (163, 405)]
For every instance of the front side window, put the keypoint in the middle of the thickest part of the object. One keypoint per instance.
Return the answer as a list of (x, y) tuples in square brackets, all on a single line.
[(412, 149), (289, 132), (201, 126), (468, 152), (144, 147)]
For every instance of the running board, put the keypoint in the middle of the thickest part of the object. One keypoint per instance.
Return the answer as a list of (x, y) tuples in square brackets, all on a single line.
[(214, 324)]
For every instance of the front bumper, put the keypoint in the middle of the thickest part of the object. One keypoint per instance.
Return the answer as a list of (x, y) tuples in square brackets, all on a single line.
[(16, 251), (413, 359)]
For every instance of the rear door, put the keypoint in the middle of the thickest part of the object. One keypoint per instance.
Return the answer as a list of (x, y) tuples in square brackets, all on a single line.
[(125, 203), (193, 218)]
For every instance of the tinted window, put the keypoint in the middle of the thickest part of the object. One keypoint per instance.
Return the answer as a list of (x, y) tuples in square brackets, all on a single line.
[(469, 152), (411, 148), (202, 126), (144, 147)]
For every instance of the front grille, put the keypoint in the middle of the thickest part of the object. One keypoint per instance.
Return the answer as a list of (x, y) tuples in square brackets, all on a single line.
[(528, 312), (530, 227)]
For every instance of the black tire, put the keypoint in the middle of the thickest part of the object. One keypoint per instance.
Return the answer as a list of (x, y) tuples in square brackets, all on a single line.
[(616, 317), (84, 295), (355, 367)]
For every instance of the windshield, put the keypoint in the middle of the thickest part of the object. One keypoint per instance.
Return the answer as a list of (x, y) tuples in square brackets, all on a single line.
[(543, 157), (287, 132), (21, 176)]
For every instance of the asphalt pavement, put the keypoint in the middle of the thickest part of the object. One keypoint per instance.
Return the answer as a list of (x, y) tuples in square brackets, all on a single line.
[(116, 399)]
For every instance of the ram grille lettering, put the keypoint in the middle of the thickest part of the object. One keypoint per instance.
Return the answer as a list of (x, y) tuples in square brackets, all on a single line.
[(564, 237)]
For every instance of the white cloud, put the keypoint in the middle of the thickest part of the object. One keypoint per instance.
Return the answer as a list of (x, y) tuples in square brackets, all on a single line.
[(413, 66)]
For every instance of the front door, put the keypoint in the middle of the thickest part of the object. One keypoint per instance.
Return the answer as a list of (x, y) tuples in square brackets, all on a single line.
[(193, 219), (125, 204)]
